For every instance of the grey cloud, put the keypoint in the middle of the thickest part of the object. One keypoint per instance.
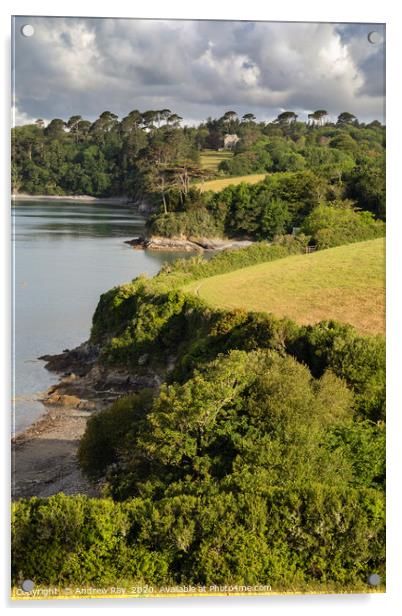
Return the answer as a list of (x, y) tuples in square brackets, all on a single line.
[(198, 69), (373, 69), (369, 58)]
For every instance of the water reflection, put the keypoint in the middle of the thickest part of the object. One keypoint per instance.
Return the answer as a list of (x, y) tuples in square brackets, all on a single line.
[(66, 255), (37, 220)]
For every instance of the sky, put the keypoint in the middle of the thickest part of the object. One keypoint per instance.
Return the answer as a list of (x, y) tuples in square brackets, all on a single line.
[(197, 69)]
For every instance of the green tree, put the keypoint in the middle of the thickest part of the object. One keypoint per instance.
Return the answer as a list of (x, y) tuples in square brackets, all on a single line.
[(274, 218), (286, 117), (346, 118), (55, 128), (249, 117), (73, 125), (366, 184)]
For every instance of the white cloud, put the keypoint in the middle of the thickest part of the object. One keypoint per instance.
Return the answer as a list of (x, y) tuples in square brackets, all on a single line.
[(20, 117), (196, 68)]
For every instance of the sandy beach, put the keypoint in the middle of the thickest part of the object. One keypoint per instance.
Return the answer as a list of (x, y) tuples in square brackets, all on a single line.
[(44, 457)]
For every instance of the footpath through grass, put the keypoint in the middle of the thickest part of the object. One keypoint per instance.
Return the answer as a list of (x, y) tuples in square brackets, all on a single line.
[(346, 284)]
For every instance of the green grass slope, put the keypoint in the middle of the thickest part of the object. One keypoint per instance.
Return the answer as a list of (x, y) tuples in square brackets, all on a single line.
[(210, 159), (221, 183), (346, 284)]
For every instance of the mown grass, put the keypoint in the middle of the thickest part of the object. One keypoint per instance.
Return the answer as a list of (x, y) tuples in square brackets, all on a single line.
[(210, 159), (346, 284), (221, 183)]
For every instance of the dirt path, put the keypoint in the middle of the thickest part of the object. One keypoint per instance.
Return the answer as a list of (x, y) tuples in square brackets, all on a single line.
[(44, 459)]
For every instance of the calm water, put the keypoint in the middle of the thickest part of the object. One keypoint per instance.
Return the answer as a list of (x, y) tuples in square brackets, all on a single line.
[(66, 255)]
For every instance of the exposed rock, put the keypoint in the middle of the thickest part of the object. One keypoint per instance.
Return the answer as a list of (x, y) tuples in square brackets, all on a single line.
[(77, 361), (174, 244), (136, 243), (67, 400), (62, 400), (183, 244), (86, 405), (220, 244)]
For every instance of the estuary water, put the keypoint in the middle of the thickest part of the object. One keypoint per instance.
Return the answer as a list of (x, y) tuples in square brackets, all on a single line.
[(65, 255)]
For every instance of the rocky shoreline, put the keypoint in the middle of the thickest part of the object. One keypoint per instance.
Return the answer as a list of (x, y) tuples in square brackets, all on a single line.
[(44, 456), (190, 244)]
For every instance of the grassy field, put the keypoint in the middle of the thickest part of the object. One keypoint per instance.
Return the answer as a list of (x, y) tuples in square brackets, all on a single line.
[(346, 283), (221, 183), (210, 159)]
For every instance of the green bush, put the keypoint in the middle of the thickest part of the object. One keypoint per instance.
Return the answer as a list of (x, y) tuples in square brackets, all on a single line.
[(255, 411), (64, 540), (357, 359), (332, 226), (197, 223), (366, 184), (363, 443), (285, 537), (107, 430)]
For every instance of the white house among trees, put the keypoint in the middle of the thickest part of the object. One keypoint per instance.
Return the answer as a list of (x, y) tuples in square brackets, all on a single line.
[(230, 141)]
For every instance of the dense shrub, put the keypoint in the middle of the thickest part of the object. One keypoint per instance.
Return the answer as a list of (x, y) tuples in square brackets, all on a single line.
[(106, 432), (63, 540), (366, 184), (363, 444), (285, 537), (258, 211), (257, 160), (198, 223), (255, 410), (330, 225), (359, 360)]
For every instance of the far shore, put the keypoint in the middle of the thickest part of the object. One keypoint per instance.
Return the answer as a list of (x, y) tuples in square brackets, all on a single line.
[(83, 198)]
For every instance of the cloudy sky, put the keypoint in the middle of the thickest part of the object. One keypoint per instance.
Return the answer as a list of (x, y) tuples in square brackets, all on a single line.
[(196, 68)]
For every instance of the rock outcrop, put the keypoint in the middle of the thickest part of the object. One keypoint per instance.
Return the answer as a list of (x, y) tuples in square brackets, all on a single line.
[(190, 244)]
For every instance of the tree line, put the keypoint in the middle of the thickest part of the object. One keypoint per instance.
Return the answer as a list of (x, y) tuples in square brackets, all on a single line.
[(149, 154)]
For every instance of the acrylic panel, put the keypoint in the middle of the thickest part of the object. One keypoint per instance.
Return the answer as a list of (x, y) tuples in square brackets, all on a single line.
[(199, 307)]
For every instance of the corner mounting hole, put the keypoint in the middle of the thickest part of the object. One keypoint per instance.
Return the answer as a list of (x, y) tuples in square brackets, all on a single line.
[(374, 579), (27, 585), (27, 30), (374, 37)]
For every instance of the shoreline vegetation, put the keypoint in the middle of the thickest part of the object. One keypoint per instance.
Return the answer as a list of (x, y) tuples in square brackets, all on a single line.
[(197, 392), (268, 434), (190, 183), (155, 243), (88, 384), (224, 442)]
